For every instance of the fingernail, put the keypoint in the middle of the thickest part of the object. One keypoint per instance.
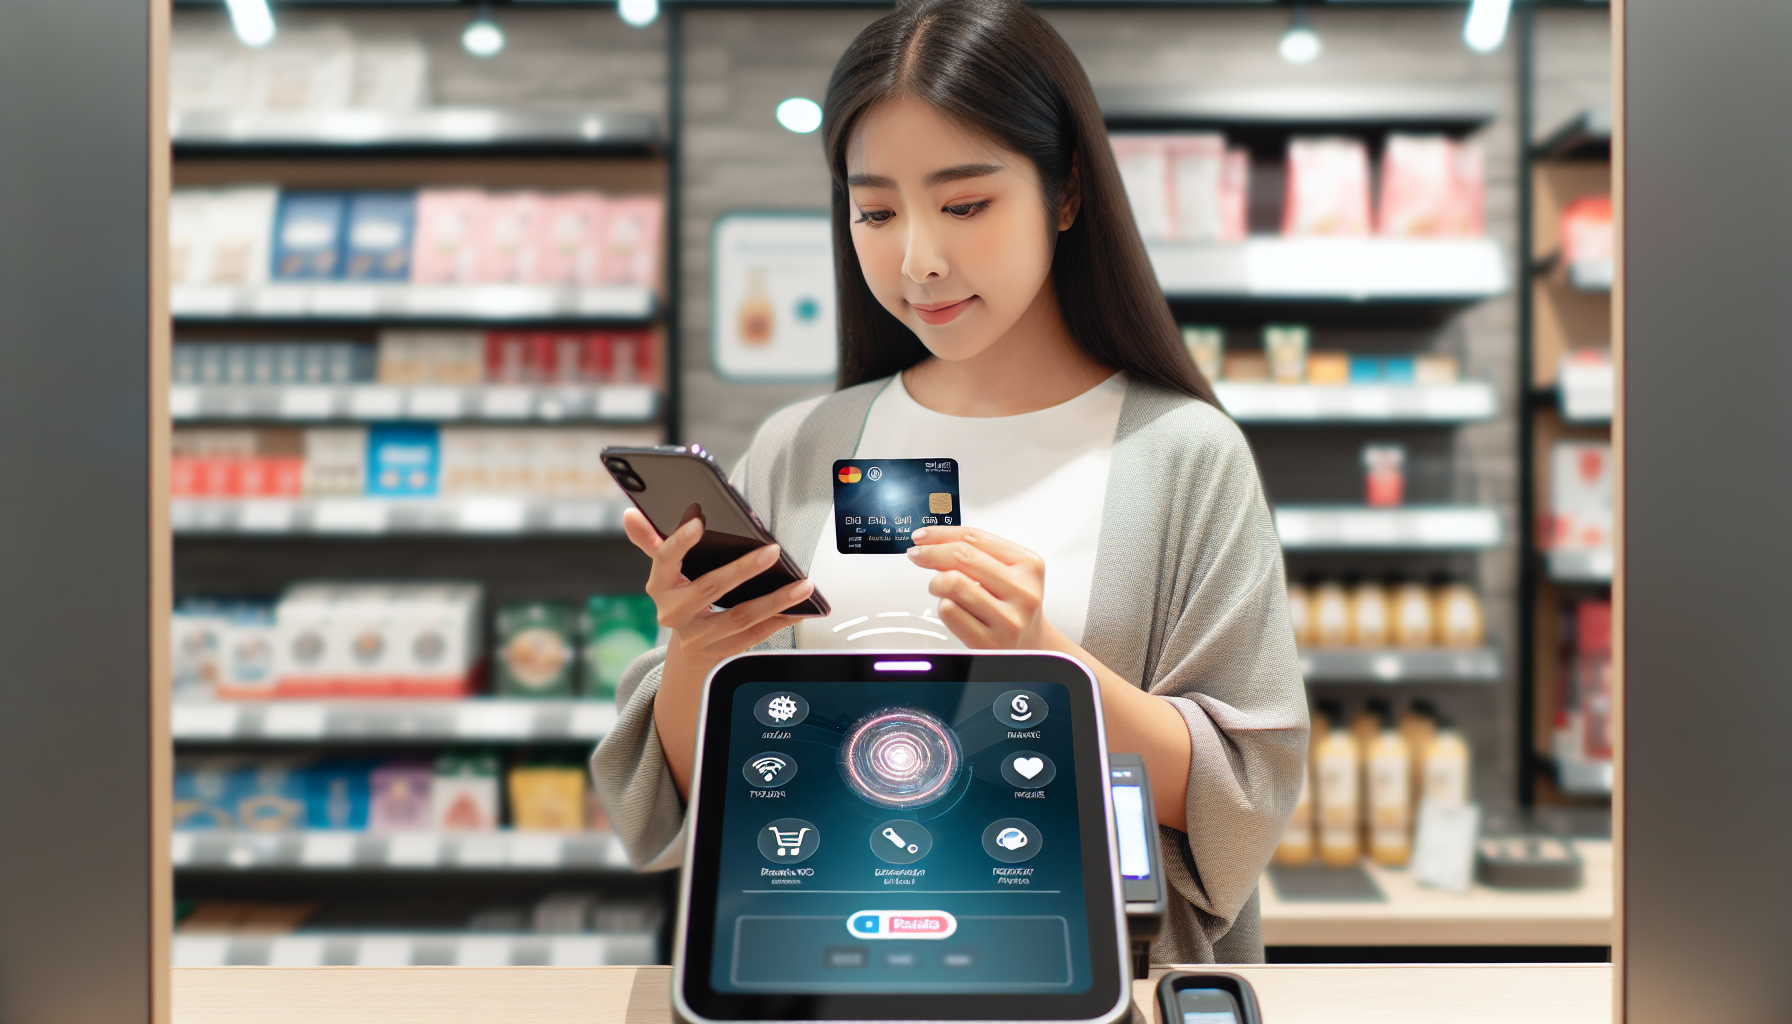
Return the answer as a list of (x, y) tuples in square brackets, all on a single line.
[(768, 554), (919, 534), (914, 552)]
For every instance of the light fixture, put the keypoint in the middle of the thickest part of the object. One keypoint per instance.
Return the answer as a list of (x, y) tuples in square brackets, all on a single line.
[(252, 21), (482, 37), (799, 115), (639, 13), (1485, 28), (1300, 44)]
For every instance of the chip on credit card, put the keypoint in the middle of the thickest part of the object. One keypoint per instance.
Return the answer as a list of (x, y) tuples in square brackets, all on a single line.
[(879, 503)]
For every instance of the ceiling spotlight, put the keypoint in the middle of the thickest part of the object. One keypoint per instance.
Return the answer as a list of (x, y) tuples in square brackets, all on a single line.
[(482, 37), (1485, 28), (799, 115), (639, 13), (1300, 44), (252, 21)]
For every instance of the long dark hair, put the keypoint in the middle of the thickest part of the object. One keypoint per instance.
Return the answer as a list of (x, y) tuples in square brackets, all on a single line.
[(1002, 70)]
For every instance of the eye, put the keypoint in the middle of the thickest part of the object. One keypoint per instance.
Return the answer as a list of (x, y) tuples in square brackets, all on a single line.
[(874, 216), (967, 209)]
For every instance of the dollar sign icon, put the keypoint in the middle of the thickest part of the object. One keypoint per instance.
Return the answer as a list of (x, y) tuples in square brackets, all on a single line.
[(1022, 711)]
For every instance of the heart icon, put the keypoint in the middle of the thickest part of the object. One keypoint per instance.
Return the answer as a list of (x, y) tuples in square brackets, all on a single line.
[(1029, 766)]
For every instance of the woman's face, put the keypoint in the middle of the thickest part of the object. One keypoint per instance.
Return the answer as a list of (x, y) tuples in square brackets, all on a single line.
[(950, 228)]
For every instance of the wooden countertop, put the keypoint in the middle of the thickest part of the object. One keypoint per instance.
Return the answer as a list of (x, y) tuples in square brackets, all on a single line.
[(1416, 916), (1289, 994)]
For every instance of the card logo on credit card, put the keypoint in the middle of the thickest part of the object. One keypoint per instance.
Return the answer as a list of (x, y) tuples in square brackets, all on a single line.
[(878, 504)]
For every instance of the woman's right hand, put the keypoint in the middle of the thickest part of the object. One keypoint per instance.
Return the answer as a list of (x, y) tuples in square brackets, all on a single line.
[(701, 635)]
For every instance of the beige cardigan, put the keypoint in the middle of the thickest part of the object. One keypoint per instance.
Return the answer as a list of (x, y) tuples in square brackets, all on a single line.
[(1188, 600)]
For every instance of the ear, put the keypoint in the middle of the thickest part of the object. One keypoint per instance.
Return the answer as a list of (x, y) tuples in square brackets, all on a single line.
[(1073, 196)]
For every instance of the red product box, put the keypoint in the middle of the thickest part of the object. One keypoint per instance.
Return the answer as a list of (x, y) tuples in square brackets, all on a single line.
[(286, 475), (507, 356), (629, 358), (183, 476), (561, 357), (218, 477)]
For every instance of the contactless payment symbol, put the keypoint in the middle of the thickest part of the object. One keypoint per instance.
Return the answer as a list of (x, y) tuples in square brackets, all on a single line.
[(849, 474), (874, 474), (781, 709), (789, 840), (769, 769)]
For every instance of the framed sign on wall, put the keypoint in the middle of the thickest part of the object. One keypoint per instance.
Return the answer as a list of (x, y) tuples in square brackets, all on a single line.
[(772, 310)]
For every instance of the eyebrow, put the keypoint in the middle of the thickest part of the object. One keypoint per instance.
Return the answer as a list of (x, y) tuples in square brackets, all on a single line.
[(938, 177)]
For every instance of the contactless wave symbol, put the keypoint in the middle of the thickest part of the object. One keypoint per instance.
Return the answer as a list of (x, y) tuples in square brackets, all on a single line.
[(782, 708), (769, 767)]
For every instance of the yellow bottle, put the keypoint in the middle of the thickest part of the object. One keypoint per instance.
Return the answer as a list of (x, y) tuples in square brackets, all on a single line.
[(1412, 615), (1369, 626), (1419, 726), (1390, 796), (1335, 778), (1447, 767), (1331, 615), (1458, 615)]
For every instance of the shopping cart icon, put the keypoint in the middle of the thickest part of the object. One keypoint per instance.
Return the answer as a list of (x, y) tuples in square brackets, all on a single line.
[(790, 844)]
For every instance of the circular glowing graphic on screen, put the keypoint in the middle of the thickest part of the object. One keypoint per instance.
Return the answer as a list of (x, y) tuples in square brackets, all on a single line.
[(900, 757)]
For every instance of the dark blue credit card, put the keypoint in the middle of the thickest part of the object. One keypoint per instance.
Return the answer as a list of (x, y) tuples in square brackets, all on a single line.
[(878, 503)]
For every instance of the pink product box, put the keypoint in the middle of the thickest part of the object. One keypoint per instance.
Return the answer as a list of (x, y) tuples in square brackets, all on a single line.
[(569, 234), (400, 798), (507, 248), (450, 225), (631, 251)]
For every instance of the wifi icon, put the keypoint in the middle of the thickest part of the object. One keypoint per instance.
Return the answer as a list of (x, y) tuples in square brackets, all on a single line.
[(769, 769)]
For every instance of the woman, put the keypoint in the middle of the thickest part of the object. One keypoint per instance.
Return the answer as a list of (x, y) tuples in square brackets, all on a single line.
[(997, 307)]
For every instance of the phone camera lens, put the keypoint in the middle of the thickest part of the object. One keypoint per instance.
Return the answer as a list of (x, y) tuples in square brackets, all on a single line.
[(619, 466), (631, 482)]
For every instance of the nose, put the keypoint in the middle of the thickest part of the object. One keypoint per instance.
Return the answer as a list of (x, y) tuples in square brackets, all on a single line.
[(925, 259)]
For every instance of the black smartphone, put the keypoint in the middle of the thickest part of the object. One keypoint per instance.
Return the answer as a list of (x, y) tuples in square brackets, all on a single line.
[(674, 484), (1190, 997)]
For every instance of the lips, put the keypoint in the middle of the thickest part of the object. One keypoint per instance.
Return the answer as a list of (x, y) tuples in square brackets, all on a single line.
[(937, 313)]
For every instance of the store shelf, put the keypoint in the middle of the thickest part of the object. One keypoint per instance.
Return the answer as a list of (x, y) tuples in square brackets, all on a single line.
[(1411, 528), (424, 949), (1358, 403), (357, 721), (1412, 915), (1587, 136), (364, 302), (1580, 566), (1364, 106), (1331, 269), (402, 851), (367, 516), (1481, 665), (610, 403), (442, 128)]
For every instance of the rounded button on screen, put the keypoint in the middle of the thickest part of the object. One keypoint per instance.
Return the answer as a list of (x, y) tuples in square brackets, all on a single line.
[(1012, 840), (1021, 709), (781, 710), (900, 842), (1028, 769), (789, 840)]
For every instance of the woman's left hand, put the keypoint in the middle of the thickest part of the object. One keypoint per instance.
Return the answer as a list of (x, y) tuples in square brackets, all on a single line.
[(991, 590)]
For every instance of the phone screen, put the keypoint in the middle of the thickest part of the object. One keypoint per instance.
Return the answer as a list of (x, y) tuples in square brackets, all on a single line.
[(1207, 1006)]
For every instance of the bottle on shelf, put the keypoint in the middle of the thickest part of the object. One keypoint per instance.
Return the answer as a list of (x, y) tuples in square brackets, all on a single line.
[(1389, 762), (1447, 767), (1331, 615), (1335, 776), (1411, 614), (1369, 625), (1457, 611), (1419, 726)]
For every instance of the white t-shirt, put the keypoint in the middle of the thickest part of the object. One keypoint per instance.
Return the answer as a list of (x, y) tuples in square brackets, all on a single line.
[(1038, 479)]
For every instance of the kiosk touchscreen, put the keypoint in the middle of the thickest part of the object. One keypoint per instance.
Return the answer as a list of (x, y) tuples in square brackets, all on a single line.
[(910, 836)]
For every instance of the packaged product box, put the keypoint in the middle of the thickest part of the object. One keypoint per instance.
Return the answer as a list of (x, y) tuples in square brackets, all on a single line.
[(1197, 172), (507, 244), (1418, 187), (617, 629), (1593, 677), (308, 236), (1285, 346), (206, 71), (304, 662), (466, 461), (1366, 370), (362, 637), (515, 466), (239, 226), (560, 355), (1144, 163), (561, 468), (400, 797), (1434, 370), (1580, 495), (463, 796), (379, 236), (1207, 347), (189, 243), (1235, 195), (569, 242), (302, 70), (202, 793), (1587, 241), (196, 642), (1325, 367), (390, 75), (535, 653), (631, 254), (402, 357), (269, 796), (1471, 191), (563, 913), (630, 357), (455, 357), (402, 461), (248, 639), (1398, 370), (1246, 366), (335, 461), (448, 227), (338, 795), (547, 798), (1384, 474), (1327, 188), (436, 639), (508, 358)]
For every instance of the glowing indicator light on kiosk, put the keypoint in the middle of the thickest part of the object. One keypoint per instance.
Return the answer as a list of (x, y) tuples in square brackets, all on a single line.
[(902, 666), (799, 115)]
